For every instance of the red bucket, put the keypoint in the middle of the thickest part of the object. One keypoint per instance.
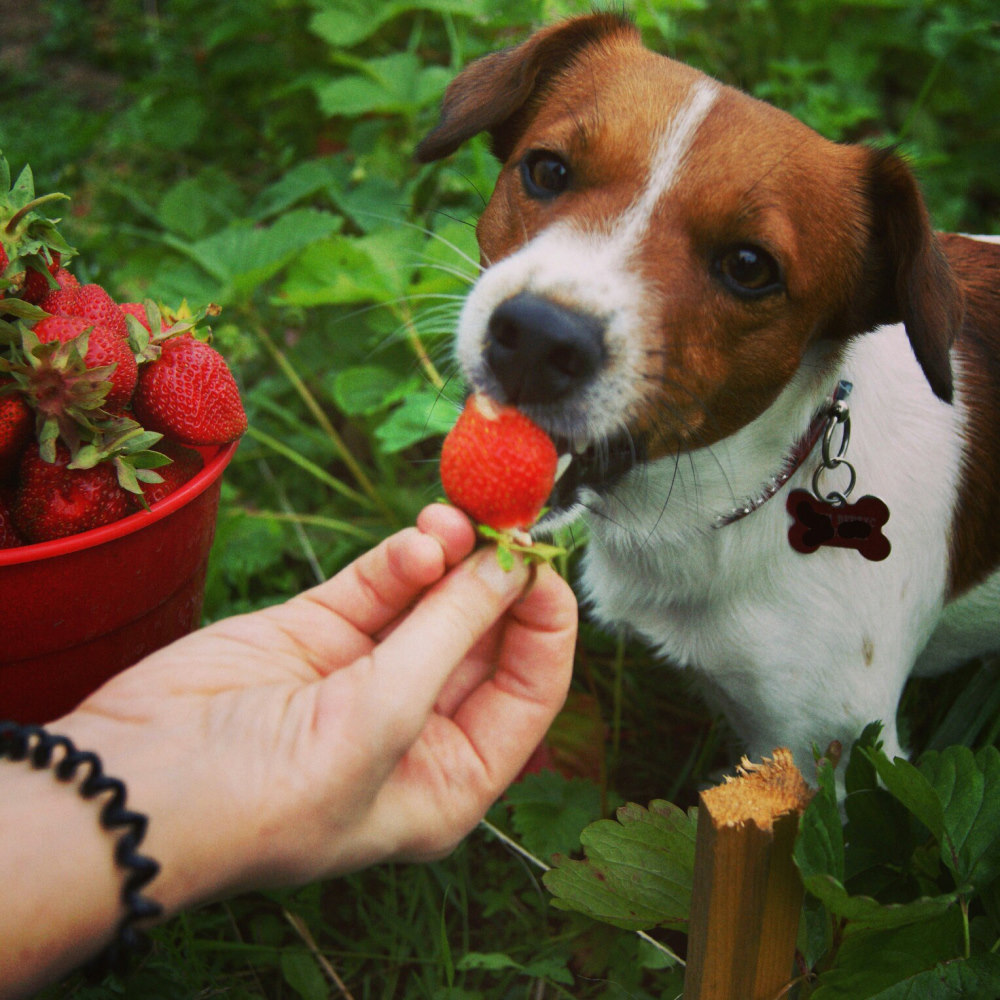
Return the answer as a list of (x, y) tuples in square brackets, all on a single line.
[(77, 610)]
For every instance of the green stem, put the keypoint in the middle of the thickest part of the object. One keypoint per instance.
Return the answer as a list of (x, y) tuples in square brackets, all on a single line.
[(16, 218), (319, 521), (311, 467), (417, 346), (343, 452), (616, 722), (925, 90)]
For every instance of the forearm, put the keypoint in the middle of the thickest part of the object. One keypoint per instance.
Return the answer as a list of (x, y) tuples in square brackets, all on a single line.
[(61, 884)]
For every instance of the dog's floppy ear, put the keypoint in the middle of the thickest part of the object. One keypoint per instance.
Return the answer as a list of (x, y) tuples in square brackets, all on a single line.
[(917, 285), (488, 95)]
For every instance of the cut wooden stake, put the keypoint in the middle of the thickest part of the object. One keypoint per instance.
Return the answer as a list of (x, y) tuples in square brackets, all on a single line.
[(747, 895)]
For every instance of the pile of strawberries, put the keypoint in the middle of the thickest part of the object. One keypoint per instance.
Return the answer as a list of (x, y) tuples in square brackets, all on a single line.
[(102, 404)]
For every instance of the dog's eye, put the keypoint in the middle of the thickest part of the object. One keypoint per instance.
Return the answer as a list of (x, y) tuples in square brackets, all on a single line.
[(748, 271), (544, 174)]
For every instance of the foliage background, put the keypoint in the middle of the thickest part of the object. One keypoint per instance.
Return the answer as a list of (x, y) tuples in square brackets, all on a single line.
[(257, 155)]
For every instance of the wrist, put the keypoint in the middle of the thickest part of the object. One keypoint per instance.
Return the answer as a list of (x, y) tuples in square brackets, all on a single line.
[(73, 872), (172, 786)]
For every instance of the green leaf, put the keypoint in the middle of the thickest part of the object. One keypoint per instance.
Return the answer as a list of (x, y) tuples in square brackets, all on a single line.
[(638, 870), (305, 180), (421, 416), (549, 811), (367, 389), (493, 961), (301, 971), (819, 854), (395, 84), (973, 710), (343, 270), (505, 557), (550, 968), (879, 963), (243, 255), (344, 23), (911, 787), (968, 787), (819, 849), (195, 206)]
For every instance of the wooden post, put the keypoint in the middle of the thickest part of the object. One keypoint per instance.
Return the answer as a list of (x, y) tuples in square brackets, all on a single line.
[(747, 895)]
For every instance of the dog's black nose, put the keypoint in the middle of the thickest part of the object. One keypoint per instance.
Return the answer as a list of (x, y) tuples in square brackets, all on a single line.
[(540, 351)]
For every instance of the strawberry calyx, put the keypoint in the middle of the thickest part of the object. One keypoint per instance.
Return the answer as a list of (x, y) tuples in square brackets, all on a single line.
[(150, 326), (66, 395), (519, 543), (29, 239), (68, 400)]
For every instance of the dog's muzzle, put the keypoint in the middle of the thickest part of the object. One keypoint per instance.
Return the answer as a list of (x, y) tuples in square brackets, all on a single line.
[(542, 356)]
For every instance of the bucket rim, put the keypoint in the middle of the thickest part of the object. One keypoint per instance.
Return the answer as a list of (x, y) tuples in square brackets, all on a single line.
[(216, 459)]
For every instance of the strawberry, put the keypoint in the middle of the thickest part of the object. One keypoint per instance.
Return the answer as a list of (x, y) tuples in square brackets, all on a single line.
[(138, 310), (36, 284), (88, 301), (9, 538), (16, 424), (185, 465), (497, 465), (52, 300), (52, 501), (189, 394), (104, 347)]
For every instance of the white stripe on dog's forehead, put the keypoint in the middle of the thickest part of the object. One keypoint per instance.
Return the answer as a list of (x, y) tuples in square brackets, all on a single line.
[(668, 159)]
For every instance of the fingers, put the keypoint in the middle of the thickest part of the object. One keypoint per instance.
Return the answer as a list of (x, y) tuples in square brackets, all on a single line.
[(451, 528), (380, 585), (416, 659), (461, 765), (506, 717)]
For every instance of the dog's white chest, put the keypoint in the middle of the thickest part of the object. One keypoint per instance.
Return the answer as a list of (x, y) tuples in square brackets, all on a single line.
[(790, 641)]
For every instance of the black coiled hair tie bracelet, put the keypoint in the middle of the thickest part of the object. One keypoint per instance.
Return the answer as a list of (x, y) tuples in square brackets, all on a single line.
[(39, 747)]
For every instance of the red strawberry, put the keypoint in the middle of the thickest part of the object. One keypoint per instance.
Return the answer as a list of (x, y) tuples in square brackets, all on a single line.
[(16, 423), (103, 348), (138, 310), (497, 465), (89, 301), (54, 299), (185, 465), (52, 501), (189, 394), (36, 285), (9, 538)]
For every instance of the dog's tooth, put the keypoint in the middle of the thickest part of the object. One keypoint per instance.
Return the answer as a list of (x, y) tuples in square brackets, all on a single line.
[(562, 465), (580, 444)]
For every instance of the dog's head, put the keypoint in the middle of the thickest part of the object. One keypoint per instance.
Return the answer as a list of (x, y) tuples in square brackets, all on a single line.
[(664, 253)]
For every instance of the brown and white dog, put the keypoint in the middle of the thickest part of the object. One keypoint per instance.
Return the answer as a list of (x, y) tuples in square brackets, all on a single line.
[(677, 279)]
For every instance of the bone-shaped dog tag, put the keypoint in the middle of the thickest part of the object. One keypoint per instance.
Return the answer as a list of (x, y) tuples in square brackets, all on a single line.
[(847, 526)]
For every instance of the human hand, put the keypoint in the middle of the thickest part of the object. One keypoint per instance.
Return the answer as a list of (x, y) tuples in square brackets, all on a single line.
[(376, 716)]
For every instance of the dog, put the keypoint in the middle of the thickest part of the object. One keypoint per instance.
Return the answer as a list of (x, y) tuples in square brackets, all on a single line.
[(779, 387)]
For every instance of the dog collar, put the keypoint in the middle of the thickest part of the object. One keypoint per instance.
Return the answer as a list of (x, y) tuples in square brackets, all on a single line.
[(793, 460)]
